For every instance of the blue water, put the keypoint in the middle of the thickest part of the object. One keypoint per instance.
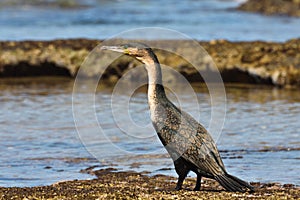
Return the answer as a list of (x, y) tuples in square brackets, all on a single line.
[(100, 19), (39, 143)]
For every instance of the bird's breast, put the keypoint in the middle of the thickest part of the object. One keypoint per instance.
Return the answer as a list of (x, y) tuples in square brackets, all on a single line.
[(156, 112)]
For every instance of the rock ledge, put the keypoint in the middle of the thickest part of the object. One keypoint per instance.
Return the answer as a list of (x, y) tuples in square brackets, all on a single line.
[(239, 62)]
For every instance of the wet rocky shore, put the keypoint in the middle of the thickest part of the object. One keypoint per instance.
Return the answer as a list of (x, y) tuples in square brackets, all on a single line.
[(110, 184), (272, 7), (256, 62)]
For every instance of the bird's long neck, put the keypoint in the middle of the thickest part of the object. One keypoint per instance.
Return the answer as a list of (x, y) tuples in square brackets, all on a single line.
[(156, 90)]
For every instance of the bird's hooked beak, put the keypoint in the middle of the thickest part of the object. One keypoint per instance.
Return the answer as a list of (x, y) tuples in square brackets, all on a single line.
[(119, 49), (133, 52)]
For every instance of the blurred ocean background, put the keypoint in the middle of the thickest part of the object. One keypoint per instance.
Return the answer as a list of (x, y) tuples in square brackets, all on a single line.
[(100, 19), (39, 144)]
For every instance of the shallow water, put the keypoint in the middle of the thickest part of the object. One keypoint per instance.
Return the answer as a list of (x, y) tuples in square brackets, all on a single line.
[(202, 20), (39, 144)]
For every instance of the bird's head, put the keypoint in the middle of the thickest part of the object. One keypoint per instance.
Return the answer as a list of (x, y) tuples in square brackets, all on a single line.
[(139, 51)]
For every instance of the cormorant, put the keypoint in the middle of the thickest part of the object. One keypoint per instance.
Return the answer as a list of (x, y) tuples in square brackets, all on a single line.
[(189, 144)]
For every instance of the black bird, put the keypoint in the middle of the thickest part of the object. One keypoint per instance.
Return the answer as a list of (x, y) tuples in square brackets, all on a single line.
[(189, 144)]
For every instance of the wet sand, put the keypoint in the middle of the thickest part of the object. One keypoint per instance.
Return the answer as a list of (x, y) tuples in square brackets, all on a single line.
[(110, 184)]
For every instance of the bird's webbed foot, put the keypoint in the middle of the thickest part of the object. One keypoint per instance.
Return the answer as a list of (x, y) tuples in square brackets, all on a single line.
[(196, 189), (177, 188)]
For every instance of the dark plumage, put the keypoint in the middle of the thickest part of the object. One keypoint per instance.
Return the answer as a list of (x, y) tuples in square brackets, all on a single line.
[(189, 144)]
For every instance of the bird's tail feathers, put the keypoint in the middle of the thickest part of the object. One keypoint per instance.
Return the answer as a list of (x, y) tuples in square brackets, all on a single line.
[(233, 184)]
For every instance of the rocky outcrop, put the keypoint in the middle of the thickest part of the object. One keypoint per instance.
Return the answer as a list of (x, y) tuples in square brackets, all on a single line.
[(47, 58), (273, 7), (261, 62), (242, 62)]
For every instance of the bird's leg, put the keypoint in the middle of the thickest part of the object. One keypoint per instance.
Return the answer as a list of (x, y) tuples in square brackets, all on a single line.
[(198, 183), (182, 171), (180, 182)]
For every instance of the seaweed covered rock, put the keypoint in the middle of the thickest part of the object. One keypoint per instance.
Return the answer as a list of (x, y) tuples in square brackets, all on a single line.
[(134, 185)]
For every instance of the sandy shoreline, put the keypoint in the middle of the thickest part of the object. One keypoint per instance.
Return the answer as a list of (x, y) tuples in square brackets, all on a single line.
[(132, 185)]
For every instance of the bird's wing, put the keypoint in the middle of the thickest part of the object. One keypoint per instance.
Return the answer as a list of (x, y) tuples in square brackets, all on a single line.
[(186, 137), (203, 154)]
